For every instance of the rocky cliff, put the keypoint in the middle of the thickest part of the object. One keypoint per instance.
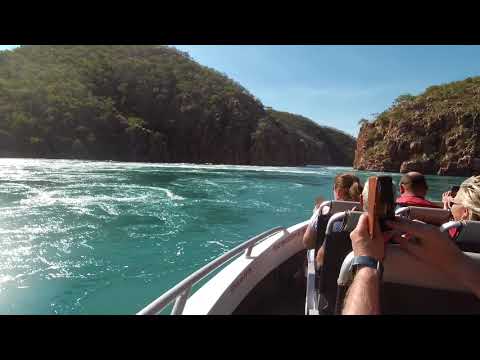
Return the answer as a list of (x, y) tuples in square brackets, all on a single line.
[(147, 103), (436, 132)]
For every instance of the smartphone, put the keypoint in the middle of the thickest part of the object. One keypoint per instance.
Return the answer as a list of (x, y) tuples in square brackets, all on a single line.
[(381, 202)]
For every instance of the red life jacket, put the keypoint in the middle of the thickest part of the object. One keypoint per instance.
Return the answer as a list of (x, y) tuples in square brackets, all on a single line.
[(411, 200)]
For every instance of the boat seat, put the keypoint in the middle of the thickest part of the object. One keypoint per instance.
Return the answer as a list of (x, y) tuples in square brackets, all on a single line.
[(327, 209), (413, 287), (337, 206), (337, 246), (468, 238), (428, 215)]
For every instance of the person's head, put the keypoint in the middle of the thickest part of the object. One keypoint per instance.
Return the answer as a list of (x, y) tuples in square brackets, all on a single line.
[(364, 196), (347, 187), (466, 204), (413, 183)]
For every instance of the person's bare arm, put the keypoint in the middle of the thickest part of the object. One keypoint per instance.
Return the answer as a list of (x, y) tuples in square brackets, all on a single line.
[(310, 237), (438, 250), (363, 297)]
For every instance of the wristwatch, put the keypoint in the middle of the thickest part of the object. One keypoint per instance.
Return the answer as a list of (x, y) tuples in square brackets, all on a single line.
[(366, 261)]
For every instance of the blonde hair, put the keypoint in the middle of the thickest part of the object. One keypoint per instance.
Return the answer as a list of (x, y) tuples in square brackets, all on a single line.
[(351, 186), (469, 197)]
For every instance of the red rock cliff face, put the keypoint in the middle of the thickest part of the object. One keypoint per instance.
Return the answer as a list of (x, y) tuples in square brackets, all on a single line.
[(435, 133), (359, 162)]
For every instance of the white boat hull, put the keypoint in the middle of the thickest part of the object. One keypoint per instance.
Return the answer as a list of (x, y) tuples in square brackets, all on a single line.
[(222, 294)]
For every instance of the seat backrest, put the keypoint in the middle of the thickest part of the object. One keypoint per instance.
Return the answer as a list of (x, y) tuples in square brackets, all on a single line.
[(339, 206), (428, 215), (413, 287), (468, 238), (337, 246), (327, 209)]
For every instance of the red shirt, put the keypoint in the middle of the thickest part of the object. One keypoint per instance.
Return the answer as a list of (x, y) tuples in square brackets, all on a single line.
[(412, 200)]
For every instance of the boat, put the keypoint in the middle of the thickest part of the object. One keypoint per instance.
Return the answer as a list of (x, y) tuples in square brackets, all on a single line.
[(273, 274)]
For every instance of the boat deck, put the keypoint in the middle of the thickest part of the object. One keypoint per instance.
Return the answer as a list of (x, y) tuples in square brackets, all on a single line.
[(282, 292)]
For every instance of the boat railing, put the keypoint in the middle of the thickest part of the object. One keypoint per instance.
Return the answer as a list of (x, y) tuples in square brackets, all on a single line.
[(451, 225), (403, 212), (181, 291)]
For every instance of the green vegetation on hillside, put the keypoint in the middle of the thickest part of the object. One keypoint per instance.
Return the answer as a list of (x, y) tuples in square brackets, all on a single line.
[(143, 103), (436, 131), (305, 128)]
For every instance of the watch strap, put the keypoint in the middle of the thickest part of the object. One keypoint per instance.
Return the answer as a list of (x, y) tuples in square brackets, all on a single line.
[(366, 261)]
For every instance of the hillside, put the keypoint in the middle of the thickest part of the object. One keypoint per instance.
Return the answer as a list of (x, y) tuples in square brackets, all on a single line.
[(146, 103), (436, 132), (282, 135)]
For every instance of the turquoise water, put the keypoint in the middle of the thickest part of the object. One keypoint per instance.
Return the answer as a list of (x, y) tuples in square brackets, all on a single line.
[(85, 237)]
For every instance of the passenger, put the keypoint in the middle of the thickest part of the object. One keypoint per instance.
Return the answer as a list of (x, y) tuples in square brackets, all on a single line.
[(336, 226), (413, 189), (466, 204), (434, 248), (347, 187)]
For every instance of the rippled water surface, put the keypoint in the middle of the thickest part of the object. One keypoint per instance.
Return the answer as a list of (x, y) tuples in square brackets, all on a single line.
[(84, 237)]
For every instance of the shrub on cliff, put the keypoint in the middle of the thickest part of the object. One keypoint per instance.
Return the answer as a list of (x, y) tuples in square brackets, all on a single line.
[(436, 131)]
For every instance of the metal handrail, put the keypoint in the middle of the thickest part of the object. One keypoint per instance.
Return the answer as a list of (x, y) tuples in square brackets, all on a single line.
[(345, 274), (450, 225), (180, 292), (323, 204), (311, 303), (403, 211)]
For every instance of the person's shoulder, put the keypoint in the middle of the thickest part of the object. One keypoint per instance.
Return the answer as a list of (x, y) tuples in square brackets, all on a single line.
[(432, 204)]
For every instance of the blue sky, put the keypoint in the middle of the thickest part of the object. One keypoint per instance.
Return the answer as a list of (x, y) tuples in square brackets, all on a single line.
[(336, 85)]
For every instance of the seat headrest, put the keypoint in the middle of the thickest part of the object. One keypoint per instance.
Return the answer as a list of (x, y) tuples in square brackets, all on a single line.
[(339, 206), (348, 219), (428, 215), (400, 267)]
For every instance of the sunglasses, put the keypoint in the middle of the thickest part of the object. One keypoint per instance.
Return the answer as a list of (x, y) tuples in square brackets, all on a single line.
[(451, 203)]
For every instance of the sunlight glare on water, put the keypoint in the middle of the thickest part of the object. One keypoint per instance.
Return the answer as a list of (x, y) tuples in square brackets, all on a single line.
[(88, 237)]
